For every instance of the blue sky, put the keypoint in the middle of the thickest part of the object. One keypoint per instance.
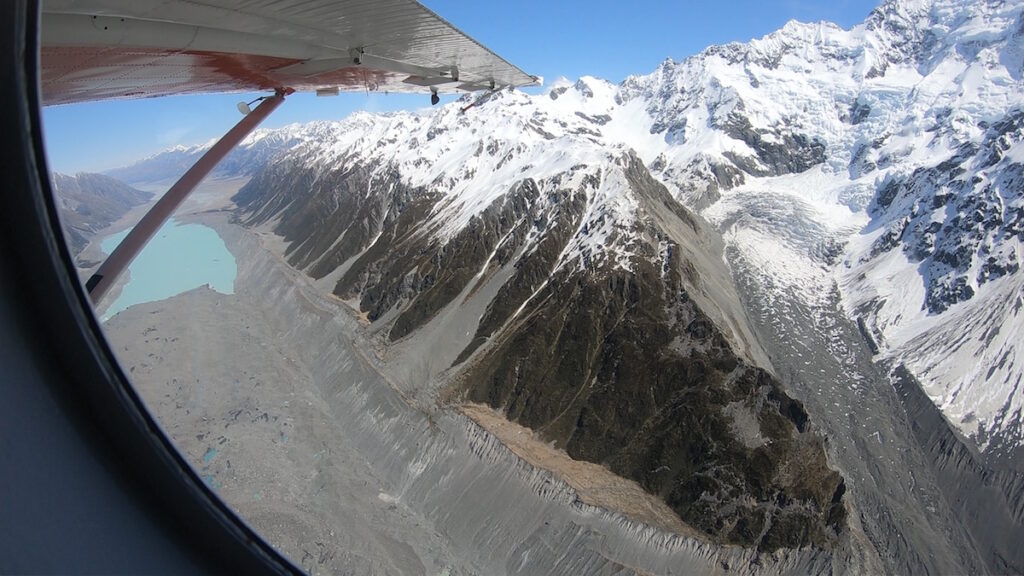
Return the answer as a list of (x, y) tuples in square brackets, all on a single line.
[(550, 38)]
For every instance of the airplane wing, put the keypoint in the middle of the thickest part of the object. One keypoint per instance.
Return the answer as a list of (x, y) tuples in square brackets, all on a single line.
[(104, 49)]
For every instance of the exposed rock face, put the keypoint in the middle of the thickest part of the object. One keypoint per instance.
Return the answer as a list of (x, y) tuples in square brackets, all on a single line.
[(90, 202), (783, 153), (612, 372), (960, 219)]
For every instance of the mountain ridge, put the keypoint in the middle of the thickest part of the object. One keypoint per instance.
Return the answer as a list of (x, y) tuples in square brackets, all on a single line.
[(89, 202)]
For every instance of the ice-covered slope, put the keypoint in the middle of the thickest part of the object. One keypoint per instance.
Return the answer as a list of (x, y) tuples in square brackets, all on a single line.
[(900, 139)]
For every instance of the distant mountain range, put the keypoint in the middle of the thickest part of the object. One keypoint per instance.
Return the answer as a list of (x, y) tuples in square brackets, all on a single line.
[(89, 203), (599, 259)]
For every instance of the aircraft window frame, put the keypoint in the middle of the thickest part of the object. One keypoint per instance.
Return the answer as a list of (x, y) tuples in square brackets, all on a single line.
[(93, 391)]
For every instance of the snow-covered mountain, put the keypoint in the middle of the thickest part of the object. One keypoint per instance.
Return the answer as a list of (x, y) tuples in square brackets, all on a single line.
[(893, 149), (500, 236), (549, 244)]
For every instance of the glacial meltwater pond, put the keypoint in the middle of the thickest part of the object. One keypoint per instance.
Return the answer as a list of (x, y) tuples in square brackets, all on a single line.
[(180, 257)]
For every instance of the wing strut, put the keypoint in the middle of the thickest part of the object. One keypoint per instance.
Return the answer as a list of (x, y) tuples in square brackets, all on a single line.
[(129, 248)]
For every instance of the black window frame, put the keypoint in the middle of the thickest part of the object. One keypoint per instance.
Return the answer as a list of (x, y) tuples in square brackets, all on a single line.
[(53, 318)]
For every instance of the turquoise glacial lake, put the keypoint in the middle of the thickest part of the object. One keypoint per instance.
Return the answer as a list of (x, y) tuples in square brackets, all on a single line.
[(178, 258)]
